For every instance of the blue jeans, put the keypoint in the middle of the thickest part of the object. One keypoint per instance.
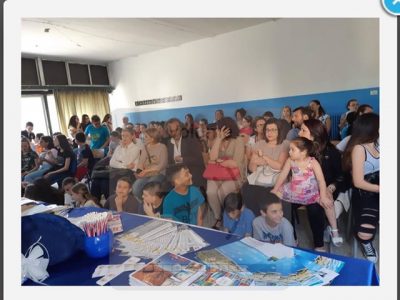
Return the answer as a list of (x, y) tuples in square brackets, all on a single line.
[(44, 167), (141, 182)]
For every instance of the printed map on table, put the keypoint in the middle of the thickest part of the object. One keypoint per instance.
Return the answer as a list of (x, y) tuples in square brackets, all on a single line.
[(266, 264)]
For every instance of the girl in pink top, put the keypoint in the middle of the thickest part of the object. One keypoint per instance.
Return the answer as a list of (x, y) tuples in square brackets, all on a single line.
[(307, 184), (307, 176)]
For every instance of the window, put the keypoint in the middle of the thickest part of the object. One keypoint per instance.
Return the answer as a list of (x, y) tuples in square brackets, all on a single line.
[(51, 102), (33, 110)]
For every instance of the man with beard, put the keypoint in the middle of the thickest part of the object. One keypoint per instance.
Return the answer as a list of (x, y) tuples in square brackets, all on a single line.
[(300, 114)]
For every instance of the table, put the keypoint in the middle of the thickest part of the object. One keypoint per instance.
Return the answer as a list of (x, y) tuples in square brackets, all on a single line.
[(78, 269)]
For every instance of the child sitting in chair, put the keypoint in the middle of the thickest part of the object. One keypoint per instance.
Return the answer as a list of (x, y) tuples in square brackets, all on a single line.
[(153, 198), (271, 226), (184, 203), (237, 219)]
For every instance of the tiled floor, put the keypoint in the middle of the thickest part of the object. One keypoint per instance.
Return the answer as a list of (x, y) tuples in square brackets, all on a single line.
[(305, 238)]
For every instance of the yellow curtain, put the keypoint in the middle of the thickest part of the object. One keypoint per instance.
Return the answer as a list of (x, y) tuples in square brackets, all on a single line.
[(69, 103)]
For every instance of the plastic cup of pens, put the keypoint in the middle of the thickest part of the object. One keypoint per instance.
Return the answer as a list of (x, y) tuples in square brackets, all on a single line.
[(98, 238)]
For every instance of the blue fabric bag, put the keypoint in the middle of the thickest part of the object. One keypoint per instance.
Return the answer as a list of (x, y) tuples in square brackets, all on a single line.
[(61, 238)]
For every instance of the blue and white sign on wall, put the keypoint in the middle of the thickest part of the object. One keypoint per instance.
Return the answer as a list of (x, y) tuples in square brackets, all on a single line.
[(392, 6)]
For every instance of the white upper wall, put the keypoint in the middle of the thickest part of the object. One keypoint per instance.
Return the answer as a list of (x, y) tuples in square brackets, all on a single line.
[(274, 59)]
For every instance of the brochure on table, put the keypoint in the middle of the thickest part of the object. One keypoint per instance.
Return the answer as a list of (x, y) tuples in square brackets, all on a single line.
[(272, 264)]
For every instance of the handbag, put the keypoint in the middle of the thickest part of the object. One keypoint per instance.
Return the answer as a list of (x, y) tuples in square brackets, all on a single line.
[(116, 173), (264, 176), (112, 173), (371, 178), (217, 172), (103, 173)]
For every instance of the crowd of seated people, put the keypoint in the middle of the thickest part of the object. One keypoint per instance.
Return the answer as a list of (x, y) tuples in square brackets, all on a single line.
[(162, 169)]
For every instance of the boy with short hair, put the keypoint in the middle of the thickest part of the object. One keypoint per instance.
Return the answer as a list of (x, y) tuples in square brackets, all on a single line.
[(237, 219), (84, 156), (271, 226), (184, 203), (67, 185), (28, 132), (153, 198)]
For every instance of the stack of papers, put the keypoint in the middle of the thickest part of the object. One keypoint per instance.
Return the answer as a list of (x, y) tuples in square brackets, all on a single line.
[(168, 270), (39, 208), (156, 237), (25, 201), (31, 207)]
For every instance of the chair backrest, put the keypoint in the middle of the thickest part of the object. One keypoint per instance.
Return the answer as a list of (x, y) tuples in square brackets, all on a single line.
[(335, 120), (73, 166), (252, 196)]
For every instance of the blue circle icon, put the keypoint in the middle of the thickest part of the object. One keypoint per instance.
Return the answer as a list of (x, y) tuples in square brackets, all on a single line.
[(392, 6)]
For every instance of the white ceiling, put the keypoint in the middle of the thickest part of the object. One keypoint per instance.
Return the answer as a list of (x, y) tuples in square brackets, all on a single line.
[(105, 40)]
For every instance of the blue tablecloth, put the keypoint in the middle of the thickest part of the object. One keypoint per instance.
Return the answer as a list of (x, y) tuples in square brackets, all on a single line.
[(78, 270)]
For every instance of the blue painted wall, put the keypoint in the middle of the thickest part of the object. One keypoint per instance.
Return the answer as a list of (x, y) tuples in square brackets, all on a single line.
[(334, 104)]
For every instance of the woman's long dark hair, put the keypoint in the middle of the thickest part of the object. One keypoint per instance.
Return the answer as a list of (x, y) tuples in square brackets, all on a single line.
[(321, 139), (365, 130), (321, 110), (73, 122), (64, 144), (84, 117), (241, 111), (106, 118), (189, 124)]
